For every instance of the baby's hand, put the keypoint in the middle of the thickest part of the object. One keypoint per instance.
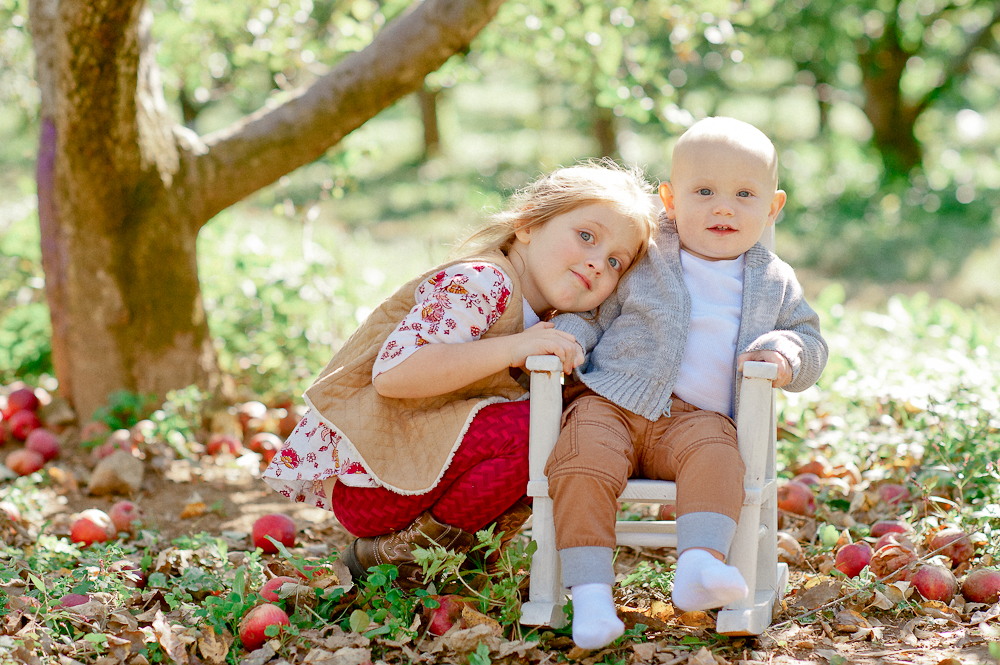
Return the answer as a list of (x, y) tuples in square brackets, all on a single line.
[(542, 339), (784, 369)]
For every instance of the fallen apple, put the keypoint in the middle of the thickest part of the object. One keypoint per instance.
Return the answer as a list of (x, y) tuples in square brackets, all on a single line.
[(262, 441), (883, 527), (223, 443), (123, 514), (269, 591), (817, 465), (12, 511), (892, 563), (92, 526), (953, 543), (852, 558), (22, 399), (668, 512), (120, 439), (23, 461), (982, 586), (893, 493), (256, 621), (448, 613), (796, 497), (810, 479), (44, 442), (934, 582), (276, 525), (895, 538), (74, 599), (22, 423)]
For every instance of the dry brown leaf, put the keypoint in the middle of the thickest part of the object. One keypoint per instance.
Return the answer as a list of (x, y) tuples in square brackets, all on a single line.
[(473, 617), (214, 647), (702, 657), (645, 652), (468, 639), (697, 619), (196, 509), (849, 621), (817, 592), (166, 638)]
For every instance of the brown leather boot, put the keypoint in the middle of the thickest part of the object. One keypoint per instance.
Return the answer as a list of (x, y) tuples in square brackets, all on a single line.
[(394, 548), (509, 524)]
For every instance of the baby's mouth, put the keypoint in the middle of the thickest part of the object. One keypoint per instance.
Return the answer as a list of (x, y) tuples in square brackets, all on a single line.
[(722, 228)]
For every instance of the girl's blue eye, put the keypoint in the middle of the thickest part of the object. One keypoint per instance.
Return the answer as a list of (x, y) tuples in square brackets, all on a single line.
[(586, 236), (615, 263), (705, 191)]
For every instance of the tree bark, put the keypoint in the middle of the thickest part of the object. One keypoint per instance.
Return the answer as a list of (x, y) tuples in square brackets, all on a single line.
[(123, 190)]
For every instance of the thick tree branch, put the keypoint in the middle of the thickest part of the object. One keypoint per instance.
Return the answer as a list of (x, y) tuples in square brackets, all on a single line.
[(233, 163)]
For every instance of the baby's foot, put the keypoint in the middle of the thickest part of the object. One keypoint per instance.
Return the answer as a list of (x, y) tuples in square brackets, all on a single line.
[(595, 621), (703, 582)]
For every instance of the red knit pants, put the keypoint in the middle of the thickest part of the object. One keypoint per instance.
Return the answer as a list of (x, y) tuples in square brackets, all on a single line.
[(487, 475)]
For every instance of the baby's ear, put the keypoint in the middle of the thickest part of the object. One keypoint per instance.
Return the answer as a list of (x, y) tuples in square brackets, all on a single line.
[(777, 203), (667, 197)]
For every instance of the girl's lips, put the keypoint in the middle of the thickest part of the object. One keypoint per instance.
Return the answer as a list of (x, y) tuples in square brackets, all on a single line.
[(586, 282)]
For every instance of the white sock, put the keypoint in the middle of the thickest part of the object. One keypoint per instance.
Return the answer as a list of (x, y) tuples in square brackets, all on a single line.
[(703, 582), (595, 620)]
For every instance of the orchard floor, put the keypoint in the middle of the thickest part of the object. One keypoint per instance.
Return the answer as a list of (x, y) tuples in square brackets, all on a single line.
[(233, 497)]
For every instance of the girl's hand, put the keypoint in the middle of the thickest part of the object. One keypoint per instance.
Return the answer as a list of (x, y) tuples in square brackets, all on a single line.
[(784, 369), (542, 339)]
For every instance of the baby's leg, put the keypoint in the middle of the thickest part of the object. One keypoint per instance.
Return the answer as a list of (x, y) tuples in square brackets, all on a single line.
[(698, 450), (587, 471)]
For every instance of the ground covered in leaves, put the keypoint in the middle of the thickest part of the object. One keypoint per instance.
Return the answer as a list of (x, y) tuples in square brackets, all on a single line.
[(871, 448)]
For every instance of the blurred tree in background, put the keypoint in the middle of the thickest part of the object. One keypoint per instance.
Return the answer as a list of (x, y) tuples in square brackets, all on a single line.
[(885, 113)]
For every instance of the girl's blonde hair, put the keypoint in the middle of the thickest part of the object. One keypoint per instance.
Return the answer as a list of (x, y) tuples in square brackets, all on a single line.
[(624, 189)]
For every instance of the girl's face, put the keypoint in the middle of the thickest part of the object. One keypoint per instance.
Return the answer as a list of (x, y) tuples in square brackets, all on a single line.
[(573, 262)]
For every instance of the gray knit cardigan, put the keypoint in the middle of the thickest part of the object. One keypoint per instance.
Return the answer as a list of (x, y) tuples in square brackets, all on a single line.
[(636, 341)]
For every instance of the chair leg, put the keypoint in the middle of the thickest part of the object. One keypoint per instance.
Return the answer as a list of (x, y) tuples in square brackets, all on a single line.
[(546, 594)]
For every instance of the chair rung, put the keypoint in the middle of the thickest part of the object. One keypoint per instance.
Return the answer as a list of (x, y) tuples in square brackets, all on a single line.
[(659, 491), (645, 526)]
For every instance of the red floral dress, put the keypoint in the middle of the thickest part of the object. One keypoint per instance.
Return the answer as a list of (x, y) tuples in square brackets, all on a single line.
[(457, 304)]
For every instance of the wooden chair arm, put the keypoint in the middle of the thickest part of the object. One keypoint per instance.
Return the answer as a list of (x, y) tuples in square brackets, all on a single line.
[(546, 411)]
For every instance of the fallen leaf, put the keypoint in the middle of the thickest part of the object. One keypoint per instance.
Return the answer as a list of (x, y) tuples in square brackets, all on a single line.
[(196, 509), (214, 647), (702, 657), (473, 617), (645, 652), (818, 592), (849, 621), (697, 619)]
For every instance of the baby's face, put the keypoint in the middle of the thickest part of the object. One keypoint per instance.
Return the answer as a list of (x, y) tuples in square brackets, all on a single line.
[(721, 198)]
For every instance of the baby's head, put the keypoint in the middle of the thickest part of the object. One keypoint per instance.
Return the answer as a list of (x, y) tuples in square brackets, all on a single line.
[(723, 188), (599, 182)]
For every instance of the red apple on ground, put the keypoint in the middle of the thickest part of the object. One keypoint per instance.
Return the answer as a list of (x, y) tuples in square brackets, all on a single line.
[(448, 613), (934, 582), (982, 586), (23, 461), (796, 497), (251, 416), (668, 512), (852, 558), (269, 591), (807, 479), (892, 563), (817, 465), (223, 443), (22, 399), (893, 494), (123, 514), (895, 538), (74, 599), (883, 527), (95, 429), (22, 423), (44, 442), (262, 441), (277, 525), (120, 439), (253, 625), (12, 511), (288, 422), (92, 526), (954, 543)]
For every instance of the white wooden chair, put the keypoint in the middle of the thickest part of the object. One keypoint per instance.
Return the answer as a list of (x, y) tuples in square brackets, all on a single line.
[(754, 547)]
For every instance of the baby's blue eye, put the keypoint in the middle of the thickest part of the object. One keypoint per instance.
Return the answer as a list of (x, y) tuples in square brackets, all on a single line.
[(705, 191), (587, 237), (744, 194)]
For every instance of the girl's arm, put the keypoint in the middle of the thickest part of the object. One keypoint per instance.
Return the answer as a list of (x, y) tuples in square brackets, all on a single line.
[(437, 369)]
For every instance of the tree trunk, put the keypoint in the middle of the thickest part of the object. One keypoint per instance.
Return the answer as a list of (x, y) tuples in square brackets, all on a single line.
[(123, 190), (892, 118), (604, 131)]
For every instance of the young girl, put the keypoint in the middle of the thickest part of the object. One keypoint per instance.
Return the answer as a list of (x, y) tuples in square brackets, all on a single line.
[(417, 433)]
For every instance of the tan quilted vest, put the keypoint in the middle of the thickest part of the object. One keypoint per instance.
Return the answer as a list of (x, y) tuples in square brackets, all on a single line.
[(407, 444)]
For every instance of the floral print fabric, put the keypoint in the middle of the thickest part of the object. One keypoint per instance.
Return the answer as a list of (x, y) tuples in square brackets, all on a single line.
[(455, 305)]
